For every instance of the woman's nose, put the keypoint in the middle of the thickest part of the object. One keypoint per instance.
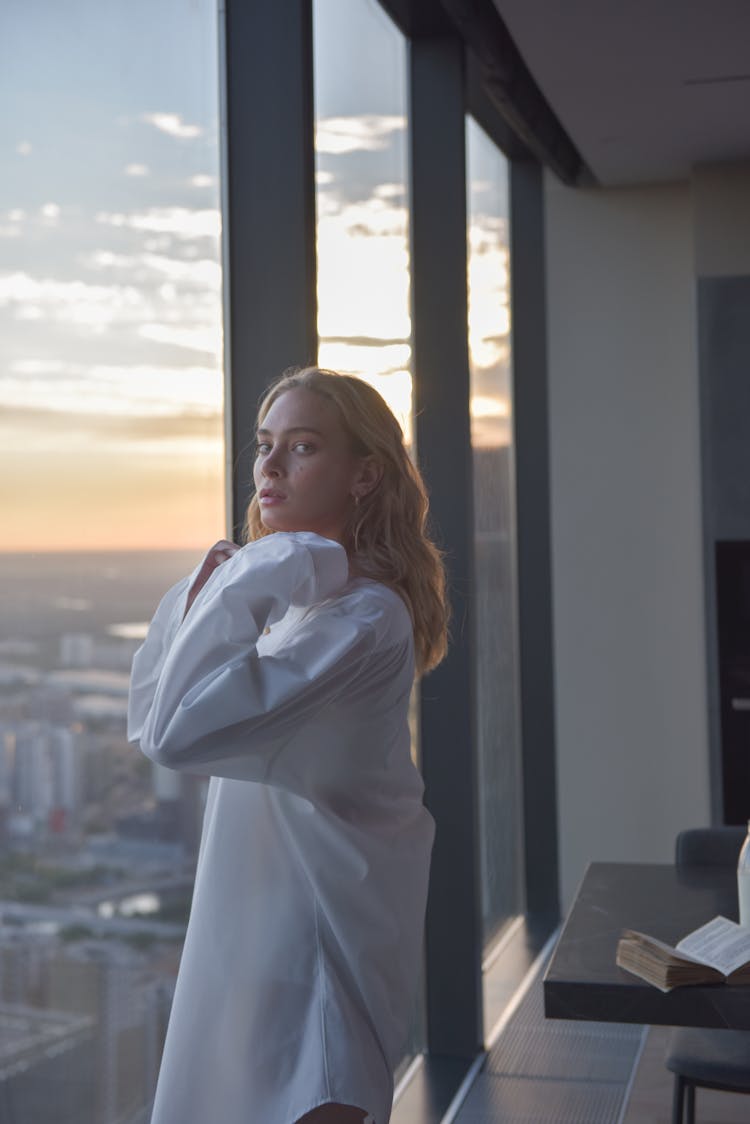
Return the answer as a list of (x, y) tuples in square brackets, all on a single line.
[(270, 466)]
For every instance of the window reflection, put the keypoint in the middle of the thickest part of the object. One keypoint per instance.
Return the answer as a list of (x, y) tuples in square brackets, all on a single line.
[(111, 434), (494, 531)]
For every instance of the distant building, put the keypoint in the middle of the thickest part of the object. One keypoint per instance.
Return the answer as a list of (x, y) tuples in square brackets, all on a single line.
[(83, 1030), (84, 650), (76, 649), (40, 765)]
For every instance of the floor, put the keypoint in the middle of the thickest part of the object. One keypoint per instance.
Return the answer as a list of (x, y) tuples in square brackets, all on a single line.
[(650, 1099), (544, 1071)]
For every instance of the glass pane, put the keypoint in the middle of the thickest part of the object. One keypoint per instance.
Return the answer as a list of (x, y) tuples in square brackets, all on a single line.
[(363, 217), (494, 532), (111, 471), (362, 209)]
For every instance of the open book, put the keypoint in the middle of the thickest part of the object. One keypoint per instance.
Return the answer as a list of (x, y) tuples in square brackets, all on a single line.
[(718, 952)]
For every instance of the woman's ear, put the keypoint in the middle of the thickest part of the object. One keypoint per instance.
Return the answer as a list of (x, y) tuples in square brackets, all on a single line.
[(369, 475)]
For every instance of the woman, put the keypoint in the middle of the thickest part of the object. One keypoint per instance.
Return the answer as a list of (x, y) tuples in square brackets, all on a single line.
[(284, 670)]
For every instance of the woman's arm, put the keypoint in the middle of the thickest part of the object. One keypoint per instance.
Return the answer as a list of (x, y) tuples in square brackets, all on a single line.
[(220, 552), (173, 607), (223, 708)]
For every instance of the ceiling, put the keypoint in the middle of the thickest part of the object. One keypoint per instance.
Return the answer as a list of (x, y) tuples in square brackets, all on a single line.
[(645, 89)]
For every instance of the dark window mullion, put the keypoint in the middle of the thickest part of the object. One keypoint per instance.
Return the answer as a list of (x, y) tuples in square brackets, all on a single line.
[(441, 369), (268, 167)]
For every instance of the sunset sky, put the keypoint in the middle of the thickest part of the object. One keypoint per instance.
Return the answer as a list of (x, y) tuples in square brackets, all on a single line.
[(110, 278)]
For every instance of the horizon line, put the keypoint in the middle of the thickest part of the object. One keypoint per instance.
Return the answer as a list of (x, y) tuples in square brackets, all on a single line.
[(100, 549)]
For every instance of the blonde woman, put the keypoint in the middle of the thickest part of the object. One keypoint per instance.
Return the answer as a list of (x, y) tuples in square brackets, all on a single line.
[(283, 669)]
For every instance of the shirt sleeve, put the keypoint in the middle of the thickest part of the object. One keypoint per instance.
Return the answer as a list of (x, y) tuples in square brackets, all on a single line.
[(149, 659), (221, 707)]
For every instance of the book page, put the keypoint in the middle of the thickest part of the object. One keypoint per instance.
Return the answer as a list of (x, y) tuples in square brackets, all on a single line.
[(664, 951), (722, 944)]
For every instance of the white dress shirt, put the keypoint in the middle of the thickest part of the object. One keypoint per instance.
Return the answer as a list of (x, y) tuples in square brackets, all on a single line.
[(289, 684)]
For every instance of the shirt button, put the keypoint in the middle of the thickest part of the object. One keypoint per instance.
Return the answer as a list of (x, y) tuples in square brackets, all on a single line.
[(266, 630)]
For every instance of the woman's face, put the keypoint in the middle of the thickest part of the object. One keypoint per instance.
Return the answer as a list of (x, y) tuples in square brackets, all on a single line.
[(305, 471)]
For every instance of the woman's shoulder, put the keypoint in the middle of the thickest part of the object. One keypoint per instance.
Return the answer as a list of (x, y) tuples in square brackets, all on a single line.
[(314, 575), (375, 605), (321, 552), (302, 566)]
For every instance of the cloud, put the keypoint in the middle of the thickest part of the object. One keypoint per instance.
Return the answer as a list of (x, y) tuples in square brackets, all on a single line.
[(136, 170), (206, 338), (487, 232), (482, 406), (369, 360), (37, 367), (178, 427), (195, 337), (29, 312), (107, 259), (363, 270), (10, 223), (390, 191), (150, 296), (22, 425), (77, 302), (23, 148), (364, 341), (372, 132), (202, 180), (161, 243), (489, 293), (203, 273), (107, 390), (374, 217), (183, 222), (172, 124), (198, 273)]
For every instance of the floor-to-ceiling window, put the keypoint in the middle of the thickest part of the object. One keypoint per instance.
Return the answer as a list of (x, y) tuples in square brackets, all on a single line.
[(361, 157), (111, 474), (496, 653)]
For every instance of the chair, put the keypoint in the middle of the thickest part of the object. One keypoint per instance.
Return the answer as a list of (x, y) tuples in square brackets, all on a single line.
[(707, 1059)]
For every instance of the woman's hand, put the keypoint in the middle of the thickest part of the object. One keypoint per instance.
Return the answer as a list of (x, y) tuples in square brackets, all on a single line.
[(219, 552)]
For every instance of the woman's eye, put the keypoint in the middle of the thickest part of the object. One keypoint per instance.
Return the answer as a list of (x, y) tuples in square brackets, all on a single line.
[(262, 448), (303, 447)]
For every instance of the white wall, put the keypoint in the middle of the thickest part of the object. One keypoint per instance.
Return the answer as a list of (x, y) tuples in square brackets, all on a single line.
[(626, 523)]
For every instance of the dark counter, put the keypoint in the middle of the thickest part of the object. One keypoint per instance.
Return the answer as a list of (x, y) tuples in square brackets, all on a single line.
[(582, 980)]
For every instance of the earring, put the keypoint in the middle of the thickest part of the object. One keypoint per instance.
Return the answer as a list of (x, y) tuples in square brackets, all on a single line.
[(356, 499)]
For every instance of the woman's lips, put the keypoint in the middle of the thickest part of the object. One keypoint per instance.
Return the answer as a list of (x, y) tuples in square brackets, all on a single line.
[(270, 499)]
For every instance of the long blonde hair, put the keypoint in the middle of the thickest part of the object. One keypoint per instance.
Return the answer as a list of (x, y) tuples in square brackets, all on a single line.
[(386, 536)]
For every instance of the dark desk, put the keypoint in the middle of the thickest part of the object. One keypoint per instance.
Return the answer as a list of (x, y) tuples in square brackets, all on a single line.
[(582, 980)]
